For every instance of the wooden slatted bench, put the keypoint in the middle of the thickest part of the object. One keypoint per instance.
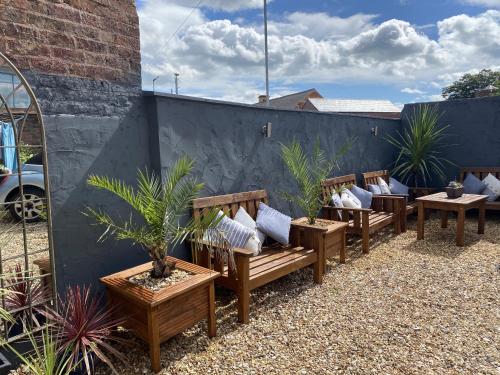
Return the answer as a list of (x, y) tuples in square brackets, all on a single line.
[(481, 173), (254, 271), (385, 210), (370, 178)]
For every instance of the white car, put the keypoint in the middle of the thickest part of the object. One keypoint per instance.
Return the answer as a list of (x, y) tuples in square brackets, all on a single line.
[(33, 188)]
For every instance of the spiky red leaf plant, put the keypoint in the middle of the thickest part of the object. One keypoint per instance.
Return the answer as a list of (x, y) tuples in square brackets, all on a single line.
[(20, 287), (88, 328)]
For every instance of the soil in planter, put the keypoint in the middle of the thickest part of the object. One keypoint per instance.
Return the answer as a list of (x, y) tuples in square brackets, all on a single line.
[(145, 280)]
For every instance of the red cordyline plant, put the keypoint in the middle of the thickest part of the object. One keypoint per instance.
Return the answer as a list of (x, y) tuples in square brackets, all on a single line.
[(87, 327), (20, 287)]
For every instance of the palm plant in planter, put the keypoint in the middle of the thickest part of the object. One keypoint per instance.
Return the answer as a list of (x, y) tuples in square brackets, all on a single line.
[(420, 147), (308, 173), (161, 205)]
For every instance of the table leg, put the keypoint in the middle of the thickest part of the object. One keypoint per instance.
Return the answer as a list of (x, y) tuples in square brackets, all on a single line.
[(421, 220), (460, 227), (444, 219), (482, 214)]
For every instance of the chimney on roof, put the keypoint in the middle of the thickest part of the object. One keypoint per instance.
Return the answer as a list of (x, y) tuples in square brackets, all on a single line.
[(262, 98)]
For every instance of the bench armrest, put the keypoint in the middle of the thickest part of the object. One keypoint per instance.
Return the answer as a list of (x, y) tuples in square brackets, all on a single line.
[(369, 210), (236, 250)]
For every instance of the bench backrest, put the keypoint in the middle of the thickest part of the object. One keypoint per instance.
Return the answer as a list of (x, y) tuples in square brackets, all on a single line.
[(230, 203), (329, 185), (370, 178), (479, 172)]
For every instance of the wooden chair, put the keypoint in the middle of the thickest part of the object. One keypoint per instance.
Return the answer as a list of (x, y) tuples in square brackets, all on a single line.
[(370, 178), (385, 210), (252, 272), (481, 173)]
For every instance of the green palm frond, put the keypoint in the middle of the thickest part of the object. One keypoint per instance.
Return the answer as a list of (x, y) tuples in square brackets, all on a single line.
[(308, 173), (420, 147), (161, 205)]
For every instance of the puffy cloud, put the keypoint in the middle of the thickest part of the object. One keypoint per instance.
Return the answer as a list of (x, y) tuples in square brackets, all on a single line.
[(408, 90), (484, 3), (224, 5), (223, 59)]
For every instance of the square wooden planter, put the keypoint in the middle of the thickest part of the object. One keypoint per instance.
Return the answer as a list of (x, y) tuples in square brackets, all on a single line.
[(329, 238), (157, 316)]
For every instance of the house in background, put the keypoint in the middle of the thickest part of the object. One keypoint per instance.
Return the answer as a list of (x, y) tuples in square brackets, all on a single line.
[(292, 101), (312, 100), (373, 108)]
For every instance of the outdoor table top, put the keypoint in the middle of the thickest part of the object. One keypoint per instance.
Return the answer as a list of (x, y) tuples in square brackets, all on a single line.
[(441, 197)]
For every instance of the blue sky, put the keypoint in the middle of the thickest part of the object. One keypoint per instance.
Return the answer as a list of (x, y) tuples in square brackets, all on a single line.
[(402, 50)]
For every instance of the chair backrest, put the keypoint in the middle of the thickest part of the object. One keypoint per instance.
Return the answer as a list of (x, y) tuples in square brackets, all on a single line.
[(230, 203), (479, 172), (370, 178), (329, 185)]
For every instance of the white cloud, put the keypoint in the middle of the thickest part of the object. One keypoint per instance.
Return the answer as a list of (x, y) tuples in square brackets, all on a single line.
[(483, 3), (224, 5), (225, 60), (408, 90)]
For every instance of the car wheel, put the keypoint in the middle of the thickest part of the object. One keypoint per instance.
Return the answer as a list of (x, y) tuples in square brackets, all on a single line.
[(33, 205)]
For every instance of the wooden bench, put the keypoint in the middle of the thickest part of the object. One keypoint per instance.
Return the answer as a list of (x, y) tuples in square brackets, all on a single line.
[(251, 271), (385, 210), (481, 173), (370, 178)]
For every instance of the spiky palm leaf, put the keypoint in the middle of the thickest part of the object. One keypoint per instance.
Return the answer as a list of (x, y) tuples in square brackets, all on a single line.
[(161, 205), (420, 147), (308, 173)]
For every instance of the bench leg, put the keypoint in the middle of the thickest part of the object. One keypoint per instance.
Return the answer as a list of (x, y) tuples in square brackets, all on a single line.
[(212, 326), (420, 222), (365, 231), (154, 340), (243, 268)]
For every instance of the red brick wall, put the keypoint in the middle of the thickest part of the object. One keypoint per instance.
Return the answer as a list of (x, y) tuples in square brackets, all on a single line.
[(97, 39)]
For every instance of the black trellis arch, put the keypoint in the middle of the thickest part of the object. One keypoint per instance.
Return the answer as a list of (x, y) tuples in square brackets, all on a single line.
[(34, 267)]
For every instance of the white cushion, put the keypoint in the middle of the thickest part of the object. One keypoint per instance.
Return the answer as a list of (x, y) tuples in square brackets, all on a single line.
[(245, 219), (337, 202), (348, 201), (492, 184), (384, 188), (353, 197)]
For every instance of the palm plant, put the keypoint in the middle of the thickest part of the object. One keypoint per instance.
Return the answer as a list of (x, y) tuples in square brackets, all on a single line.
[(161, 205), (308, 173), (420, 147), (86, 327)]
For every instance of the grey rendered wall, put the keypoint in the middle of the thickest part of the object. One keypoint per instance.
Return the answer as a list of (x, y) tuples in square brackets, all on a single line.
[(82, 145), (232, 155), (474, 132)]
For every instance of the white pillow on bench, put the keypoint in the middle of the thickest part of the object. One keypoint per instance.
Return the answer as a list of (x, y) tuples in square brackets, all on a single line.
[(255, 242), (384, 188), (492, 187)]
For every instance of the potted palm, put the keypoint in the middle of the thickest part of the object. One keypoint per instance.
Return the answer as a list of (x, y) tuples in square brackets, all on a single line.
[(420, 149), (167, 295), (326, 236)]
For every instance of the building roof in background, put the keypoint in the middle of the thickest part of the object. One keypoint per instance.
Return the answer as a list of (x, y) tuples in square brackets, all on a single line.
[(293, 101), (353, 105)]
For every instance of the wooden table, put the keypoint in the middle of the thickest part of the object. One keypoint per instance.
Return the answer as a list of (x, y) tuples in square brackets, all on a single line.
[(440, 201)]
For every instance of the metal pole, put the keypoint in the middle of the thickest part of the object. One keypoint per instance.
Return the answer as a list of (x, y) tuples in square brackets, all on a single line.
[(266, 52), (154, 81), (176, 83)]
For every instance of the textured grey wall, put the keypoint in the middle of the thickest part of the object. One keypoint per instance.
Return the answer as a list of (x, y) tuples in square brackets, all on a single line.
[(78, 146), (474, 132), (233, 156)]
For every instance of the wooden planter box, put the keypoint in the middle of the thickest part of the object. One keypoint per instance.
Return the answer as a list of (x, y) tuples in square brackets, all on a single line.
[(157, 316), (328, 239)]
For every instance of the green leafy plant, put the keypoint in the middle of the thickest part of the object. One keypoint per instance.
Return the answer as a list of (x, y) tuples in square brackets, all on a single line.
[(308, 173), (420, 147), (161, 205), (46, 358), (469, 84), (25, 152)]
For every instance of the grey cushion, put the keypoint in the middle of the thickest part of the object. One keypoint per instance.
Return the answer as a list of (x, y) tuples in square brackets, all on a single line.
[(492, 196), (273, 223), (374, 189), (364, 196), (473, 185), (235, 233), (397, 187)]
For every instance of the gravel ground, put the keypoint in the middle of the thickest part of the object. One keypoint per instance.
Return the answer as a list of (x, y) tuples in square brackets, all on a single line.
[(408, 307), (11, 241)]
